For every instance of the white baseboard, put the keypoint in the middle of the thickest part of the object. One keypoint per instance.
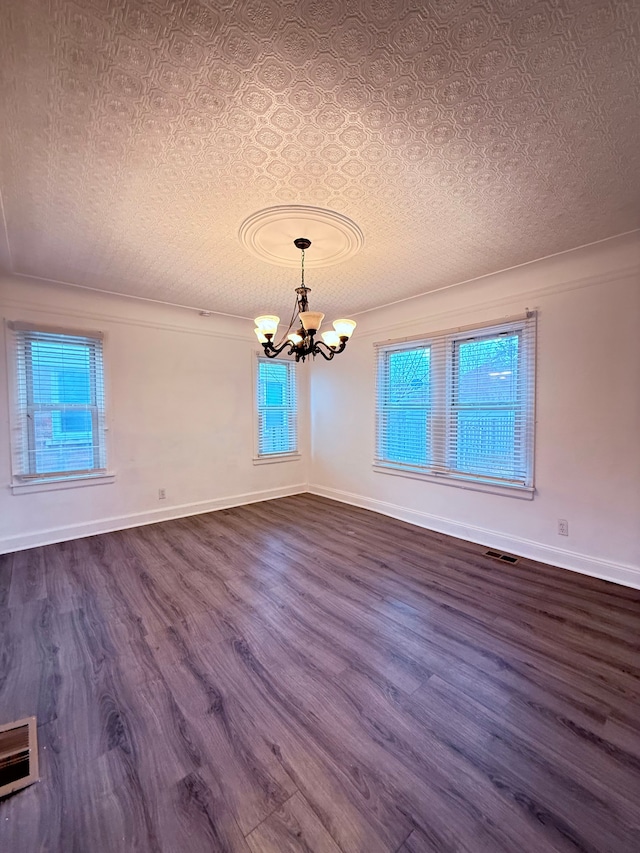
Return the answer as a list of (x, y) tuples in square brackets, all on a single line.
[(137, 519), (572, 560)]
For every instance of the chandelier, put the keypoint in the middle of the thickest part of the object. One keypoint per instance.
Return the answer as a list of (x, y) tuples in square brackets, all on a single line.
[(302, 342)]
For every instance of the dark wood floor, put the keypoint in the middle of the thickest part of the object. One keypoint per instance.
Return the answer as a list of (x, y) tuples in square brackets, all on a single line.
[(300, 675)]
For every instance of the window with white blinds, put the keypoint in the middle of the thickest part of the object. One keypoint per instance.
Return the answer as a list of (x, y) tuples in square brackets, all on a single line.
[(59, 403), (277, 408), (460, 404)]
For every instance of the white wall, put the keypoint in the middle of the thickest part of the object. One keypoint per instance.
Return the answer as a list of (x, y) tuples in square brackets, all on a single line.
[(587, 463), (180, 416), (180, 398)]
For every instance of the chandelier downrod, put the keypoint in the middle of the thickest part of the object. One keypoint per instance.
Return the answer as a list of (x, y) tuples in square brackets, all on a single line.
[(302, 343)]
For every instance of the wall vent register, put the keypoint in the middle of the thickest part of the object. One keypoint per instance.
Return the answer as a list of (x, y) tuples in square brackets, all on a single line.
[(18, 755), (496, 555)]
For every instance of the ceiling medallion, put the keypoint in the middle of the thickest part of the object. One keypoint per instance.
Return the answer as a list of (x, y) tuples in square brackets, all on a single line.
[(269, 235), (302, 343)]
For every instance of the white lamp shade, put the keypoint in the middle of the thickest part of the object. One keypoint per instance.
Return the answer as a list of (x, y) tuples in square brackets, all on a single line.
[(295, 338), (311, 320), (260, 336), (331, 339), (344, 328), (268, 324)]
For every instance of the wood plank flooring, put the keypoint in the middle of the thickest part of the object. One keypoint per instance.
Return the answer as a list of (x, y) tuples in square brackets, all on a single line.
[(300, 675)]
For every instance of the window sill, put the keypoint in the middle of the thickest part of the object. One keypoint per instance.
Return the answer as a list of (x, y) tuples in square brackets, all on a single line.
[(509, 490), (276, 457), (54, 484)]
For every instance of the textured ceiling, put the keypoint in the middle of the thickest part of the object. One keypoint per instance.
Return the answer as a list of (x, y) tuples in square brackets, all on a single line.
[(461, 137)]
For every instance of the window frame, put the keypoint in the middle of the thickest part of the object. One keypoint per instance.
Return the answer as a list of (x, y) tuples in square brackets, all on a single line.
[(261, 458), (442, 407), (21, 396)]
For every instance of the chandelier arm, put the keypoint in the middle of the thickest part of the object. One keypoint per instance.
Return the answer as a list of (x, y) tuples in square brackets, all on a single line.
[(272, 351), (318, 351), (336, 351), (320, 344)]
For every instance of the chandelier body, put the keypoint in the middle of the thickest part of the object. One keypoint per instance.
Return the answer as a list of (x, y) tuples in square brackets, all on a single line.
[(302, 342)]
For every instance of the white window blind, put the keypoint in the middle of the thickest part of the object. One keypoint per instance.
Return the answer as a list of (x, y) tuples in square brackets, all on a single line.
[(459, 404), (277, 407), (59, 403)]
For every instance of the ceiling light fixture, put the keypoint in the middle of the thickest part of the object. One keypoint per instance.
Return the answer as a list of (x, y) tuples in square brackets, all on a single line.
[(302, 343)]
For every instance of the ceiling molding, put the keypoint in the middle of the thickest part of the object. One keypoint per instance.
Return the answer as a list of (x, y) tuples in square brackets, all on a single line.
[(522, 298), (10, 306), (105, 292), (623, 270), (269, 234)]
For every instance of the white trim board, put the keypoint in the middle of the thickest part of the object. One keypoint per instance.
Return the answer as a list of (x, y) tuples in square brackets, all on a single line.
[(564, 559), (137, 519)]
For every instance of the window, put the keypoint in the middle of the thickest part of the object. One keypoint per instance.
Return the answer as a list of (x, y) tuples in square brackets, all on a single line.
[(59, 404), (403, 406), (459, 405), (277, 408)]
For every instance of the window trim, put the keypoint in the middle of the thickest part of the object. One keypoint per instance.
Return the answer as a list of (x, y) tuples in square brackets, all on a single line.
[(53, 484), (272, 458), (473, 483), (23, 483), (448, 339)]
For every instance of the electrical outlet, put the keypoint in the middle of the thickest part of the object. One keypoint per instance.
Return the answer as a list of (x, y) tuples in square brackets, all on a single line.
[(161, 494), (563, 527)]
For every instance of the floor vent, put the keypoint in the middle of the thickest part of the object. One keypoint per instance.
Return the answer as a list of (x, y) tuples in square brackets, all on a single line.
[(506, 558), (18, 755)]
